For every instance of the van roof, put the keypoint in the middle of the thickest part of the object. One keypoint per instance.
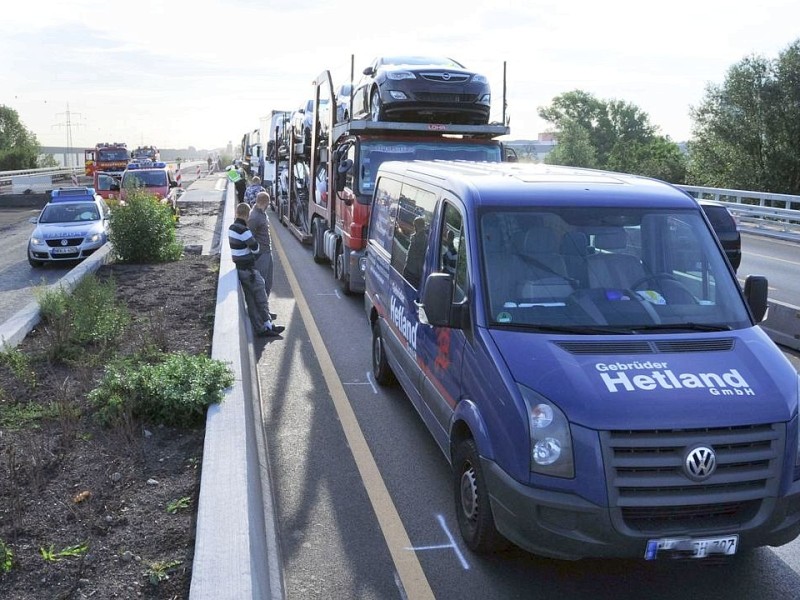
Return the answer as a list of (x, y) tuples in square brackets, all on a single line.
[(510, 183)]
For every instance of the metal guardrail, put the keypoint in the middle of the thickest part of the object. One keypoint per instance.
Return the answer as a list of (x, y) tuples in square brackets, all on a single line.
[(40, 181), (36, 181), (761, 212)]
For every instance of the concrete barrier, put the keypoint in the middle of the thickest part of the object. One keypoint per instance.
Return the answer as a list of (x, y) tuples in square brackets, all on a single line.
[(782, 324), (24, 200), (235, 555), (14, 330)]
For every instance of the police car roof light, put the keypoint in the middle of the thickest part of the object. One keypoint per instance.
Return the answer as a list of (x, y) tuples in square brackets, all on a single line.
[(72, 194)]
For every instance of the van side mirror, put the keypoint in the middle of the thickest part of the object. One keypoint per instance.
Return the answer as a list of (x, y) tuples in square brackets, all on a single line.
[(755, 292), (437, 299)]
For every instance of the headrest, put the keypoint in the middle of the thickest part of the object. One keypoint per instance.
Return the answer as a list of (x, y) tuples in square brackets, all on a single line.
[(575, 243), (539, 240), (611, 239)]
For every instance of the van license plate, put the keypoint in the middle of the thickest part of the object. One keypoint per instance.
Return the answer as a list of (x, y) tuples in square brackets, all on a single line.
[(692, 547)]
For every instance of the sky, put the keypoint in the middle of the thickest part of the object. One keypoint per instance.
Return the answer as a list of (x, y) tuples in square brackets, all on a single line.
[(203, 72)]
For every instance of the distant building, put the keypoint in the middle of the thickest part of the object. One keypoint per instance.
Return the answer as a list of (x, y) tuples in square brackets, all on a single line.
[(533, 150)]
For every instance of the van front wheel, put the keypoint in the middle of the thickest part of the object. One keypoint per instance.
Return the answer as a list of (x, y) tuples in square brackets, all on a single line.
[(473, 512), (380, 366)]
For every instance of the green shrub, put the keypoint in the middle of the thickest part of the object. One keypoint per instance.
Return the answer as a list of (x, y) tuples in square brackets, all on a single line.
[(89, 315), (143, 230), (19, 364), (175, 390), (6, 557)]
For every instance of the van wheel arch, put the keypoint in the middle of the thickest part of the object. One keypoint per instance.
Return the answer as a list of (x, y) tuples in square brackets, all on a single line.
[(380, 365)]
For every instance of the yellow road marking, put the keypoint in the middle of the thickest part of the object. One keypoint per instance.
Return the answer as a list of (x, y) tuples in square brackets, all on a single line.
[(412, 577)]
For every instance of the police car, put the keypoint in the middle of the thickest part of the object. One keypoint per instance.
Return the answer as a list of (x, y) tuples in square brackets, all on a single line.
[(73, 225)]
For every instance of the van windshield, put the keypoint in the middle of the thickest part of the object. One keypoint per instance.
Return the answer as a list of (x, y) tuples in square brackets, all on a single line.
[(621, 270)]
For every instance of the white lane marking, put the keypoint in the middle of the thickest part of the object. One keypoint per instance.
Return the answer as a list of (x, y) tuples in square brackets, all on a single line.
[(451, 546), (372, 382), (407, 565)]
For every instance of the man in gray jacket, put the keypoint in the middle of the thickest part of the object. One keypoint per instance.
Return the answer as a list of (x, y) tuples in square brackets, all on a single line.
[(244, 249), (258, 222)]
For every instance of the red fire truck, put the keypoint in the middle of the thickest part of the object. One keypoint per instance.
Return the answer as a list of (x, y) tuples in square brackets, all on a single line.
[(325, 194), (106, 157)]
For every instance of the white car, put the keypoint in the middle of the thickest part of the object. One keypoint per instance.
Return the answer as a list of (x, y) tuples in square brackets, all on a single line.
[(73, 225)]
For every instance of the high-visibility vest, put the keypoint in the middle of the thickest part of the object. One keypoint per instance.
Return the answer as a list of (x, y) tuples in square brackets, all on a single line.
[(234, 176)]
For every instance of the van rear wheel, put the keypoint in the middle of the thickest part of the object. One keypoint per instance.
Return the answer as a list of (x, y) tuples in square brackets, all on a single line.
[(473, 511), (380, 366)]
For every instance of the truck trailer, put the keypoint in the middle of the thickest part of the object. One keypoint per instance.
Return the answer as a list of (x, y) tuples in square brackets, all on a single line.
[(329, 184)]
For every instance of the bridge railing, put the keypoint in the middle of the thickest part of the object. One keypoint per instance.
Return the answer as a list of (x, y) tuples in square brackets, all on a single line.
[(762, 212), (37, 181)]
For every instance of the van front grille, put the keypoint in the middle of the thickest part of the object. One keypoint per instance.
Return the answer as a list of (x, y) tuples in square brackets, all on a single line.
[(650, 486)]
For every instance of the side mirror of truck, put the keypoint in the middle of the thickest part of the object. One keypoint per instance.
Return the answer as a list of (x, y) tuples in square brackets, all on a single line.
[(755, 292)]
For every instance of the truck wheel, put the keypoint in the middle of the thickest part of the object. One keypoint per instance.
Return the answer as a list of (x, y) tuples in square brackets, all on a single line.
[(380, 366), (317, 242), (375, 106), (339, 272), (473, 511)]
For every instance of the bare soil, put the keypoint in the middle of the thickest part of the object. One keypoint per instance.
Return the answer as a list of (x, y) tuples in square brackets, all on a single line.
[(70, 482)]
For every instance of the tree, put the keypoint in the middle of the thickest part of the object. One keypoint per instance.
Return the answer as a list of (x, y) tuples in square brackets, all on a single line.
[(19, 148), (610, 134), (746, 130)]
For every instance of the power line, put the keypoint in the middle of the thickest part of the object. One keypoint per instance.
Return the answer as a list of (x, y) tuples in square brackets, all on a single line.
[(68, 124)]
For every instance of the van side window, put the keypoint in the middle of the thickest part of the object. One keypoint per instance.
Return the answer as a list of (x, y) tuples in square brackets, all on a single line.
[(384, 207), (452, 251), (414, 216)]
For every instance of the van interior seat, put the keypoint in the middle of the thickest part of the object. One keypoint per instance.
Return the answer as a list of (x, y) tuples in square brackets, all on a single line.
[(541, 269), (610, 266), (574, 250)]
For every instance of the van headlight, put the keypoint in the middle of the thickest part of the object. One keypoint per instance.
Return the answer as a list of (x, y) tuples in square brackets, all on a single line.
[(551, 440)]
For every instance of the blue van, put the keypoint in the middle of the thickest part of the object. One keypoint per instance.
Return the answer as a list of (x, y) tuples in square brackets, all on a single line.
[(580, 349)]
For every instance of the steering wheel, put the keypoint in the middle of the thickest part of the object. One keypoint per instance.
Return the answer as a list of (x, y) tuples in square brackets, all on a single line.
[(673, 290)]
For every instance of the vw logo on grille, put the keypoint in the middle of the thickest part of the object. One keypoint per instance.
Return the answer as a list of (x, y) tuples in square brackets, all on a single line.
[(64, 242), (700, 463)]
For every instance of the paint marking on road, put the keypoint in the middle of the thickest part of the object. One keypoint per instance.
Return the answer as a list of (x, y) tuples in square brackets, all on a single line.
[(791, 262), (412, 580), (450, 546), (371, 380)]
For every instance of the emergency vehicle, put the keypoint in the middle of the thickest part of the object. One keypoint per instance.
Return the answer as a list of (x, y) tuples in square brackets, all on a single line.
[(106, 157), (146, 153), (155, 178), (325, 190)]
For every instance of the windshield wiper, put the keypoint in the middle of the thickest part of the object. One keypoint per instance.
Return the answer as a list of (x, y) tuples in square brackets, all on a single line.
[(575, 329), (685, 326)]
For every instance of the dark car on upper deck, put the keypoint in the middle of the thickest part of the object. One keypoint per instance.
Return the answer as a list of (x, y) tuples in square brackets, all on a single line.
[(430, 89)]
